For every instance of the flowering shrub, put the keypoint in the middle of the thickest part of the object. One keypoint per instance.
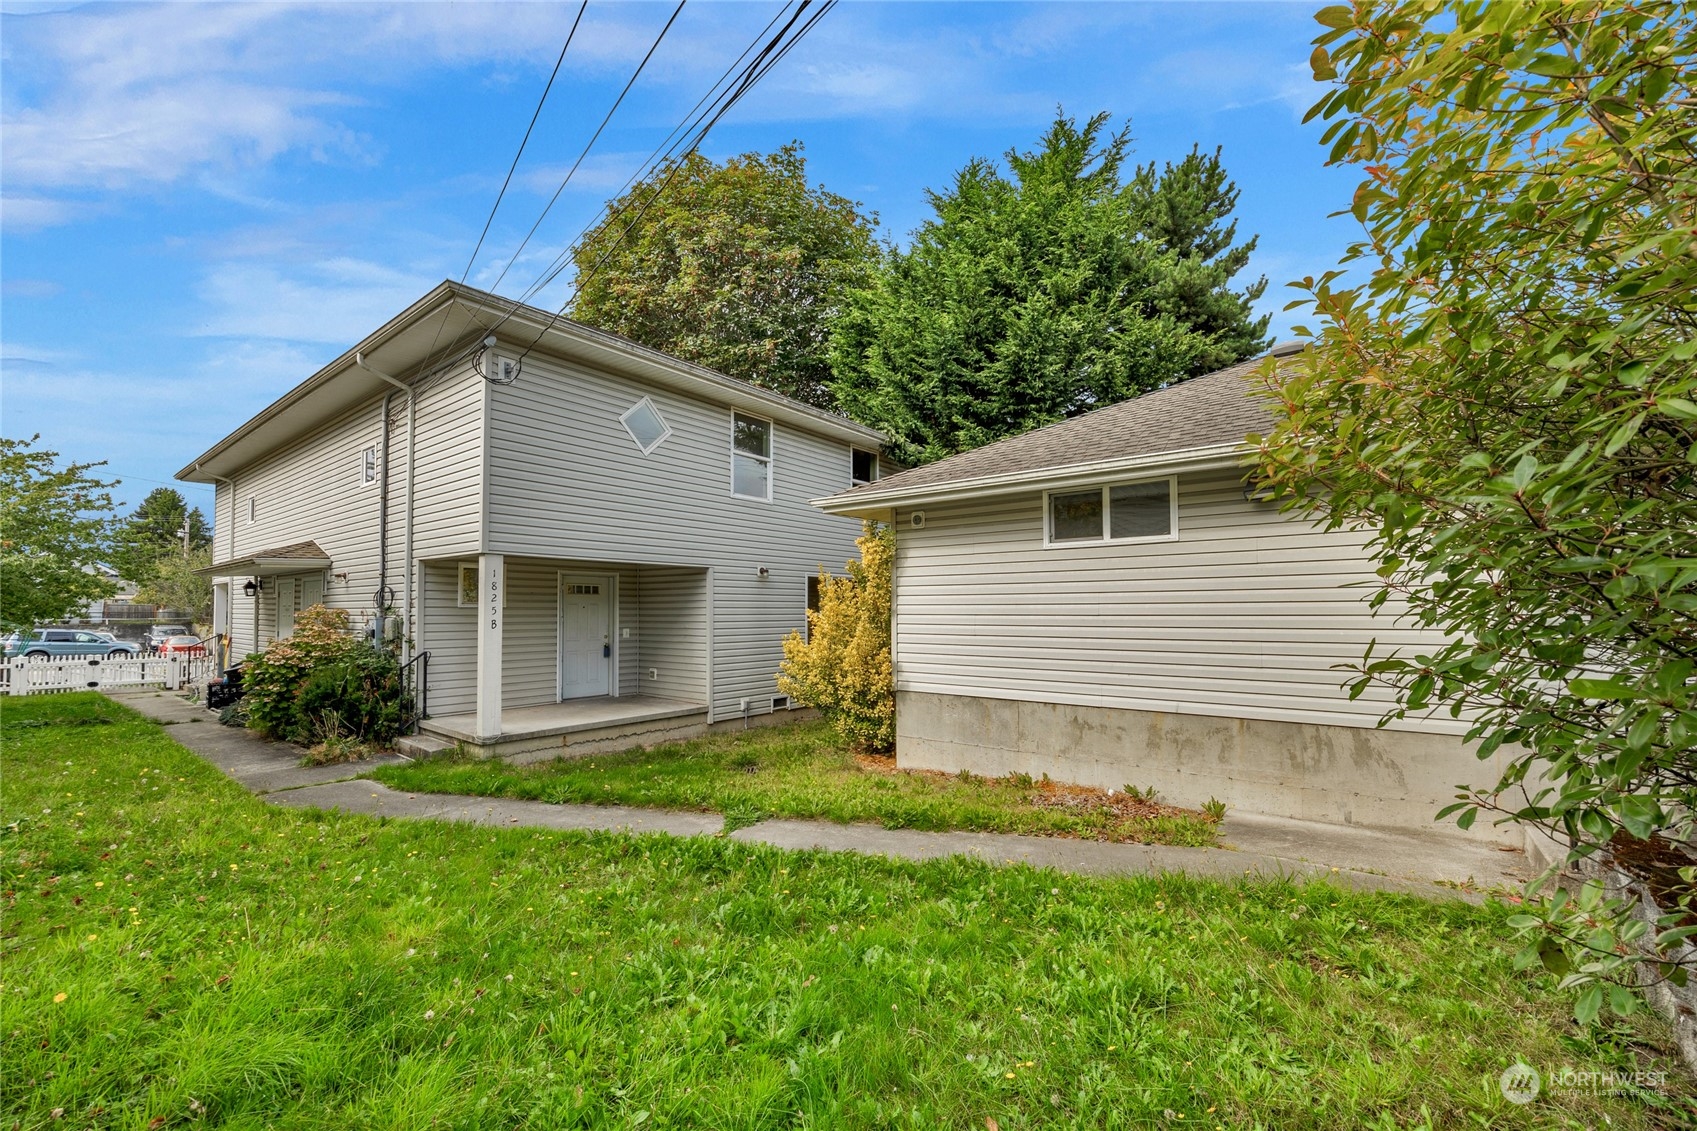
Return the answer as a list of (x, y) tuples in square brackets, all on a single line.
[(323, 683), (844, 669)]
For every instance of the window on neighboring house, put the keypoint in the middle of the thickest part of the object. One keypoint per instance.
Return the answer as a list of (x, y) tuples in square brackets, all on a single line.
[(1114, 512), (863, 466), (368, 466), (645, 425), (751, 457)]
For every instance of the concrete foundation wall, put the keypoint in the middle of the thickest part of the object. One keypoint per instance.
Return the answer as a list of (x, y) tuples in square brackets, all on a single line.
[(1310, 771)]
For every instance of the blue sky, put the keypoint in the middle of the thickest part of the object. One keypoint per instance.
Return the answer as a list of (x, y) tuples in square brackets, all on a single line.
[(202, 204)]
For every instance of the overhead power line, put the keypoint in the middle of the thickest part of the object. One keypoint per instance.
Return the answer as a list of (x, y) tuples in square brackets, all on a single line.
[(524, 141), (592, 140), (757, 68)]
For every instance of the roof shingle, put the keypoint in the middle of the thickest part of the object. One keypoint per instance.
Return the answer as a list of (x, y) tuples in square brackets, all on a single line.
[(1216, 408)]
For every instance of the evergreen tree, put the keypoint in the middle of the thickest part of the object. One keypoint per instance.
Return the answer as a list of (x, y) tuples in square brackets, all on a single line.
[(1045, 293), (740, 267), (154, 530)]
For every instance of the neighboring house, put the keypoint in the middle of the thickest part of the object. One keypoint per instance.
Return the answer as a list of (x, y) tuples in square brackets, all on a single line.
[(594, 541), (1104, 601)]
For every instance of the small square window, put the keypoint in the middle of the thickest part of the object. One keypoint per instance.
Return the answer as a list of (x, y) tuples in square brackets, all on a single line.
[(863, 466), (751, 457), (368, 466), (1076, 517), (645, 425)]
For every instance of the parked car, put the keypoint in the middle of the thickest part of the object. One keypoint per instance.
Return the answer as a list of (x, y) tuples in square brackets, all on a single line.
[(159, 633), (48, 643), (182, 646)]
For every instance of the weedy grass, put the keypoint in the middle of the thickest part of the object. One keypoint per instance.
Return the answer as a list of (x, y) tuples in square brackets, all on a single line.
[(177, 952), (800, 771)]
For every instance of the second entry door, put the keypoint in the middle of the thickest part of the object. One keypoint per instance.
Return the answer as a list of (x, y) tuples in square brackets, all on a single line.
[(586, 636)]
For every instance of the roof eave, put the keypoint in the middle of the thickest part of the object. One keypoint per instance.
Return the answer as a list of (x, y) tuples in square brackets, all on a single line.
[(880, 505)]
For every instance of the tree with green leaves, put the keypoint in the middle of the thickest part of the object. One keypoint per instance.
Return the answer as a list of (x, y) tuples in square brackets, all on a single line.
[(1502, 391), (53, 525), (1053, 289), (740, 266), (174, 584), (155, 531)]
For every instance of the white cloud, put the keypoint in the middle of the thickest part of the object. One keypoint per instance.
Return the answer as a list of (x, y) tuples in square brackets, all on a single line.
[(335, 301)]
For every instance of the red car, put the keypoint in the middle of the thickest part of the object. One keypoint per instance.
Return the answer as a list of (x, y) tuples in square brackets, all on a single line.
[(182, 646)]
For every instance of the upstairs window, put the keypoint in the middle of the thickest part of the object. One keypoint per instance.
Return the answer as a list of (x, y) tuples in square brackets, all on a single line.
[(751, 457), (645, 425), (1114, 512), (368, 466), (863, 466)]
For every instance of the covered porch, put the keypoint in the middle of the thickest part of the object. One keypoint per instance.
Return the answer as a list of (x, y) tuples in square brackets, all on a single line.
[(537, 657), (577, 726)]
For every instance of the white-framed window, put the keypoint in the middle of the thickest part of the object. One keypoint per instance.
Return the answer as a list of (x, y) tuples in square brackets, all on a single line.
[(645, 425), (467, 597), (253, 510), (368, 466), (751, 457), (1144, 510), (863, 466)]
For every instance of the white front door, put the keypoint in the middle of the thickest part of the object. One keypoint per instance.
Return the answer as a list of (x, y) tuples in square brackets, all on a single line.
[(586, 637)]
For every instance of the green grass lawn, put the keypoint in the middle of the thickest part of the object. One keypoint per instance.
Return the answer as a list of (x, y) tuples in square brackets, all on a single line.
[(805, 771), (177, 953)]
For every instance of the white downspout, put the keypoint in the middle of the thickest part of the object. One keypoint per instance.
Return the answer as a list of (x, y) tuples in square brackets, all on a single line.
[(229, 602), (406, 572)]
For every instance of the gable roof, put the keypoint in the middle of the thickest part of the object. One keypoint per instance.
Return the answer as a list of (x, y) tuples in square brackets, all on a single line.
[(451, 317), (1204, 416)]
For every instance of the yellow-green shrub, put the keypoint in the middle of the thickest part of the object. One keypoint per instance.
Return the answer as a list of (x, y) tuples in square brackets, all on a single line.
[(845, 670)]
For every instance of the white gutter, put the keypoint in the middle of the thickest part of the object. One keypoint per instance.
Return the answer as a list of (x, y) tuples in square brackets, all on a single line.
[(412, 448), (1209, 458)]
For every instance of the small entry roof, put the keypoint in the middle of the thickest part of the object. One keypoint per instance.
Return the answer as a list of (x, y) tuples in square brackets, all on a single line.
[(298, 558)]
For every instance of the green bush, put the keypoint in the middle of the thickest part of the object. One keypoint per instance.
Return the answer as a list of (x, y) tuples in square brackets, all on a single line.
[(324, 683), (845, 669), (360, 697)]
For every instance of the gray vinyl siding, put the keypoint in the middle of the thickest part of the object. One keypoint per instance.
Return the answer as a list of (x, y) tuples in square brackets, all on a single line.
[(312, 490), (567, 481), (450, 634), (674, 640), (1245, 615)]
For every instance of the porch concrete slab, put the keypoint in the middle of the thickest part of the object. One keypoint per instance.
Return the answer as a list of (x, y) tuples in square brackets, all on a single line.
[(1405, 855), (1082, 857), (377, 800), (262, 766), (566, 718)]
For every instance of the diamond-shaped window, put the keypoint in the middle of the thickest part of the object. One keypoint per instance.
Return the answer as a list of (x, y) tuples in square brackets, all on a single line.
[(645, 425)]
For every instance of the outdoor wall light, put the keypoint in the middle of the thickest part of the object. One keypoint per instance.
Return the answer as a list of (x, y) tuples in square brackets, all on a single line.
[(254, 586)]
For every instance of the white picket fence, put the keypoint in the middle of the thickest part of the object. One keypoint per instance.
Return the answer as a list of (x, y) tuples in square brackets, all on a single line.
[(103, 673)]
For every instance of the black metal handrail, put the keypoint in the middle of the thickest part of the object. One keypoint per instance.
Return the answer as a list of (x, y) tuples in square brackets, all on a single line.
[(415, 683)]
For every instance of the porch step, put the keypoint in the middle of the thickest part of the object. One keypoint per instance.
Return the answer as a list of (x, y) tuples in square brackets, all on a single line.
[(425, 746)]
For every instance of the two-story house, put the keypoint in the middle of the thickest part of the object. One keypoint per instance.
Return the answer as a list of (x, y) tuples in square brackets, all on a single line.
[(595, 542)]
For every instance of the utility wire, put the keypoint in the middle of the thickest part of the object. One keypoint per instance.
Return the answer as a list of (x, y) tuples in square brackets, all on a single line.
[(757, 69), (609, 117), (660, 154), (483, 235), (523, 142)]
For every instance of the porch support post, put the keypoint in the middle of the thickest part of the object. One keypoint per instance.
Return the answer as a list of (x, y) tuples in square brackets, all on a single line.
[(491, 581)]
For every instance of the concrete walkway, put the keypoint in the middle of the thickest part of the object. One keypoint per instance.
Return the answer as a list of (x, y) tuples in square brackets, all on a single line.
[(1256, 846)]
